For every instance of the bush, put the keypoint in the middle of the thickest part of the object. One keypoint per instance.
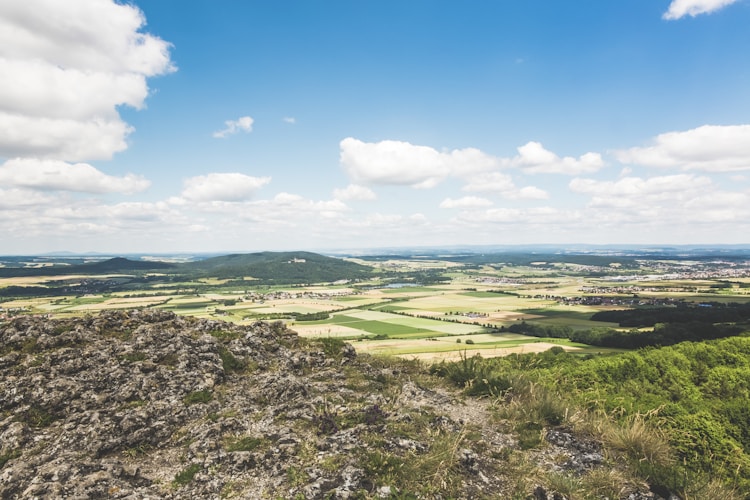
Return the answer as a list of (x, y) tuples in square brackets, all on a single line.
[(187, 475), (198, 397)]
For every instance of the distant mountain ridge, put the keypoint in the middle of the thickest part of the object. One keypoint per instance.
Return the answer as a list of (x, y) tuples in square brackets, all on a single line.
[(280, 267), (267, 267)]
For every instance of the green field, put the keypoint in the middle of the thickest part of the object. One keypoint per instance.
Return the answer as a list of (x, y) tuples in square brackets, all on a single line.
[(475, 305)]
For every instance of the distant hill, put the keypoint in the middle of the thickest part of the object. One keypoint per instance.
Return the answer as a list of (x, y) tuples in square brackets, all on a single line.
[(109, 266), (279, 267)]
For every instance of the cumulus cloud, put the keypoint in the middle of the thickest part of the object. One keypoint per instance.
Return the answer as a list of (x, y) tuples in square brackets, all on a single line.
[(534, 159), (242, 124), (229, 187), (14, 198), (663, 200), (355, 192), (70, 65), (55, 175), (402, 163), (529, 193), (546, 216), (636, 187), (711, 148), (681, 8), (502, 184), (492, 182), (466, 202)]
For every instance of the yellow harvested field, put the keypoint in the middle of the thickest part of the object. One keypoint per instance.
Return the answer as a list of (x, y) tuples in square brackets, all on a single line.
[(122, 303), (485, 353), (325, 330)]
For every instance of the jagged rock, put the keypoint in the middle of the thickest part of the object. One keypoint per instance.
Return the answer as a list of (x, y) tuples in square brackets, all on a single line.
[(147, 404)]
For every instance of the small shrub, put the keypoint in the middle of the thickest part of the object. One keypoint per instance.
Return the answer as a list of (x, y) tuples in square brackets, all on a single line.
[(198, 397), (187, 475), (225, 335), (639, 442), (170, 359), (530, 435), (36, 416), (6, 457), (373, 415), (326, 420), (246, 443), (332, 346), (229, 362), (134, 356)]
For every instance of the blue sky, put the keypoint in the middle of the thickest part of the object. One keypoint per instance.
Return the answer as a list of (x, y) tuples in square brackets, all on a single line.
[(185, 126)]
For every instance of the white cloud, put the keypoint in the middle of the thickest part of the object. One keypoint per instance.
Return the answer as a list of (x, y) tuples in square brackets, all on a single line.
[(664, 201), (712, 148), (529, 193), (14, 198), (355, 192), (69, 65), (61, 139), (402, 163), (681, 8), (636, 188), (466, 202), (534, 159), (537, 216), (492, 182), (62, 176), (242, 124), (290, 119), (222, 187), (502, 184)]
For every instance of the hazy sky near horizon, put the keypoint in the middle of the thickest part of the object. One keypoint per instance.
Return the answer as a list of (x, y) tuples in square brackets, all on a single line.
[(244, 125)]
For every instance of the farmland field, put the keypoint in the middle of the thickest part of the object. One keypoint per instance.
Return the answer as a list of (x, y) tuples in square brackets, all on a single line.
[(469, 309)]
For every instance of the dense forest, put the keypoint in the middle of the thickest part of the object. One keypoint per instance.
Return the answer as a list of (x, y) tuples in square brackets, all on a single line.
[(692, 396)]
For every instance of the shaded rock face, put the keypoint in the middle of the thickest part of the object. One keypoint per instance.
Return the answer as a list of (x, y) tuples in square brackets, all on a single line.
[(148, 404), (83, 400)]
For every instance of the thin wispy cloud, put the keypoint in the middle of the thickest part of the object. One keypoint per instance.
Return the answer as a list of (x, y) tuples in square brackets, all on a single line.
[(242, 124)]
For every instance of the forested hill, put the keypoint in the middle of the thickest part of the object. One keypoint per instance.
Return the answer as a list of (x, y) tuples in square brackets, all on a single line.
[(109, 266), (265, 267), (279, 267)]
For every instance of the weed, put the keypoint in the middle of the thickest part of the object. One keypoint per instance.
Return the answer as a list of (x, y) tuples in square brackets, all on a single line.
[(186, 475), (198, 397), (229, 362), (29, 346), (638, 441), (225, 335), (332, 346), (325, 420), (134, 356), (135, 451), (295, 476), (245, 443), (6, 457), (170, 359), (36, 416)]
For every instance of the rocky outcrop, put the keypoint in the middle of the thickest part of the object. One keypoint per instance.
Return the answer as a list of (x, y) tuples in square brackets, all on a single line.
[(148, 404)]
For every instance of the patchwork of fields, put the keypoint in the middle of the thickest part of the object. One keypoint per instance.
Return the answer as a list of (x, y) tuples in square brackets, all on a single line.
[(468, 314)]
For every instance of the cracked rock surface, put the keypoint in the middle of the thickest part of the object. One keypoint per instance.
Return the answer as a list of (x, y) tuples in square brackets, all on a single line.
[(148, 404)]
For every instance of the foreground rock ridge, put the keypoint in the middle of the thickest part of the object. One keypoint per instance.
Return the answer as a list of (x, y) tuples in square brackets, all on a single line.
[(148, 404)]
